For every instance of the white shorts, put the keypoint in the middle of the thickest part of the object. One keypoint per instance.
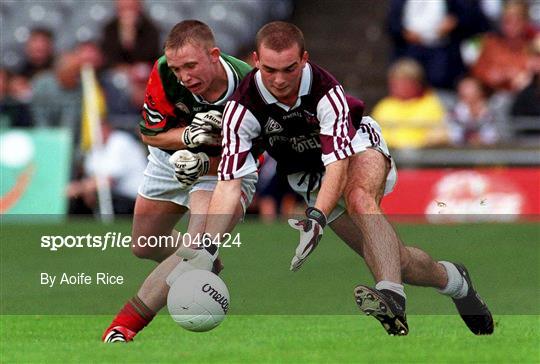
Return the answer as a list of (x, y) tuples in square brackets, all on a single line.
[(371, 137), (160, 184)]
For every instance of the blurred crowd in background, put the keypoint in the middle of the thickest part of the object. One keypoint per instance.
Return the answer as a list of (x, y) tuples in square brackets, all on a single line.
[(461, 74)]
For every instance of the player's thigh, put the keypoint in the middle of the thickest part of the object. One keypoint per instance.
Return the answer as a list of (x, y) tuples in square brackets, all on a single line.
[(155, 217), (367, 174), (348, 232)]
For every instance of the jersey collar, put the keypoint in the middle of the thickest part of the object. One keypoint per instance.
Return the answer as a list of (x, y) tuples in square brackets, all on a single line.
[(232, 81), (305, 88)]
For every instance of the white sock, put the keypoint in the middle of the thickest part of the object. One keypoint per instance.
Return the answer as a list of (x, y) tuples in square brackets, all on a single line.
[(391, 286), (456, 287)]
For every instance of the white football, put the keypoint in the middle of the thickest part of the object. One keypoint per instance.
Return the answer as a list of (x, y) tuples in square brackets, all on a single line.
[(198, 300)]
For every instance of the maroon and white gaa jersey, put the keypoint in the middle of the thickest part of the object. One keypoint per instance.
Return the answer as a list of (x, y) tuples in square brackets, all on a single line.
[(315, 132)]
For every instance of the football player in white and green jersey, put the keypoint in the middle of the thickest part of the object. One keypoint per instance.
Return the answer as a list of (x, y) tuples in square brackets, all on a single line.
[(186, 93)]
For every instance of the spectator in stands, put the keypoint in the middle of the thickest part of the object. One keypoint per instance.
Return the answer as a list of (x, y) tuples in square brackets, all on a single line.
[(14, 112), (38, 52), (502, 64), (472, 121), (432, 31), (130, 36), (90, 53), (527, 101), (20, 88), (122, 174), (57, 94), (125, 92), (412, 116)]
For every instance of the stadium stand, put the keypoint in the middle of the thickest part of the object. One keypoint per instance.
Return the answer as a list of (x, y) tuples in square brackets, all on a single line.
[(348, 38), (72, 21)]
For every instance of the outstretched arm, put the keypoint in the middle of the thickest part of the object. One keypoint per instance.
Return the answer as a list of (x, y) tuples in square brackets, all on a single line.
[(337, 133), (337, 144), (240, 127), (332, 186), (311, 227), (224, 203)]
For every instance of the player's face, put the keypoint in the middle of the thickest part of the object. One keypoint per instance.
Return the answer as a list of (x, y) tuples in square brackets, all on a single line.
[(194, 66), (281, 71)]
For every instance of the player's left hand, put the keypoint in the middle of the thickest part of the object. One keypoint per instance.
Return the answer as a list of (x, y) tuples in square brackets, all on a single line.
[(188, 167), (311, 231)]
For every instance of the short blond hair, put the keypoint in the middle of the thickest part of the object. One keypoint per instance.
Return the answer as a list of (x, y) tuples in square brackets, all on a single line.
[(407, 68), (192, 32)]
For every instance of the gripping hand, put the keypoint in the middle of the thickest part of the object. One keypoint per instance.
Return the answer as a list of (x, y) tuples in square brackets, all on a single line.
[(188, 167), (210, 118), (200, 133)]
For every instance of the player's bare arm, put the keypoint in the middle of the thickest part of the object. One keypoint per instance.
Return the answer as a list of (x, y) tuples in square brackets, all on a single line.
[(332, 186), (170, 139), (205, 129), (223, 205), (311, 228)]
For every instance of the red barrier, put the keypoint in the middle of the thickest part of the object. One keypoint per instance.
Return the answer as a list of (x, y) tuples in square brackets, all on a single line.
[(456, 195)]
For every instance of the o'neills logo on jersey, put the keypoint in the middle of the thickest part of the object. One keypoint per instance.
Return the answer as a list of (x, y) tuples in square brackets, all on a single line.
[(182, 107), (216, 296), (272, 127)]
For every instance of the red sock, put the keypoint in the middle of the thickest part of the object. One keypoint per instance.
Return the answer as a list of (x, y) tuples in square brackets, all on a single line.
[(135, 315)]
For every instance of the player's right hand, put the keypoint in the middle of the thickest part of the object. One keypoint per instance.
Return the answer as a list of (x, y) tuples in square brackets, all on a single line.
[(210, 118), (311, 231), (192, 259), (188, 167), (195, 135)]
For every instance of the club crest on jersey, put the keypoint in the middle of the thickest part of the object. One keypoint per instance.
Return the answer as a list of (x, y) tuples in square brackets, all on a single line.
[(183, 107), (272, 127), (311, 118)]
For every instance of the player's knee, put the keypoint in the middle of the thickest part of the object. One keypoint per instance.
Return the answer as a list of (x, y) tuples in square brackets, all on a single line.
[(144, 251), (360, 201)]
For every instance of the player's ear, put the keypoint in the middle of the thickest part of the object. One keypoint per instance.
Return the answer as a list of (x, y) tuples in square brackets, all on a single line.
[(255, 58), (305, 58), (214, 54)]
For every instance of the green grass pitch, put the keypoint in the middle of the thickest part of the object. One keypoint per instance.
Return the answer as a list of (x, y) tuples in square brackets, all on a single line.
[(276, 315), (290, 339)]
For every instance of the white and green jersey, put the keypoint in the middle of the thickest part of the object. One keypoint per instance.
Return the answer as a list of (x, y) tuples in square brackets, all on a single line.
[(169, 105)]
